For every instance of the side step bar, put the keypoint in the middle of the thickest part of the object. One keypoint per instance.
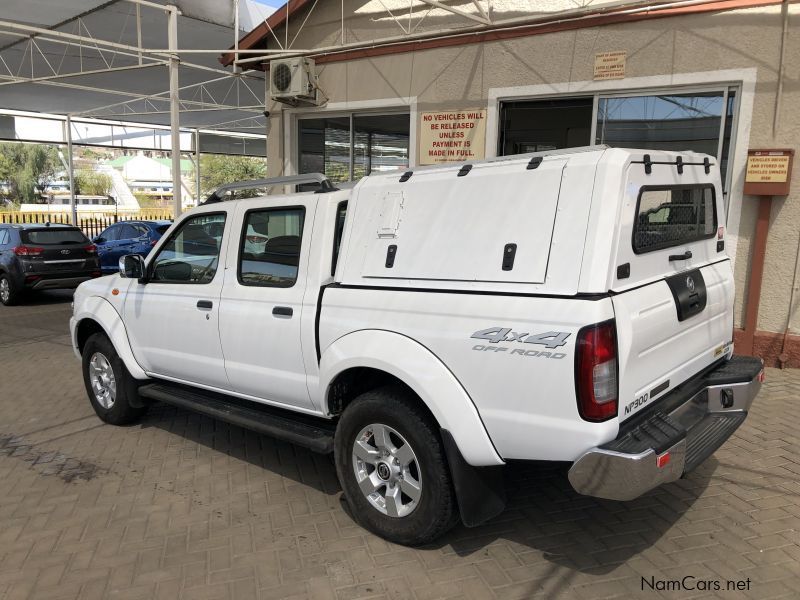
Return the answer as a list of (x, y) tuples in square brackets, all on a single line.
[(314, 433)]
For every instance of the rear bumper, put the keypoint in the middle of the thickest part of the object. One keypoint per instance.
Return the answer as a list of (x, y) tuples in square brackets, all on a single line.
[(685, 428), (58, 283)]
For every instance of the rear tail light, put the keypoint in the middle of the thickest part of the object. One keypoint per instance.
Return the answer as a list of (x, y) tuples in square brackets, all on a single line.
[(90, 249), (596, 372), (28, 251)]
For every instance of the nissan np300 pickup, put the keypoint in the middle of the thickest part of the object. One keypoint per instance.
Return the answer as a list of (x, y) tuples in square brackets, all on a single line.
[(428, 326)]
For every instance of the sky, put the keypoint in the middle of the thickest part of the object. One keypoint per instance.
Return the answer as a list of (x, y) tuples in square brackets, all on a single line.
[(271, 3)]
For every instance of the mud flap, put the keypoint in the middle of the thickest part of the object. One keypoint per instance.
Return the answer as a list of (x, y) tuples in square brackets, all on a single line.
[(480, 491)]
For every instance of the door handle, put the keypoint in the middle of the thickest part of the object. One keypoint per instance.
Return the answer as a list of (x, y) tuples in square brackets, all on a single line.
[(282, 311), (205, 304), (685, 256)]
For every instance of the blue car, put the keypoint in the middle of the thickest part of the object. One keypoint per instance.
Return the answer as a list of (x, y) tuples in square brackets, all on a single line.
[(127, 237)]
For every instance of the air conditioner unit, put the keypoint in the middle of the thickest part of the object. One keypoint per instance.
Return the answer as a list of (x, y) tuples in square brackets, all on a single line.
[(294, 81)]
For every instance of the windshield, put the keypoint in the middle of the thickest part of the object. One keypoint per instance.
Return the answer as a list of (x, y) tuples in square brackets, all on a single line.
[(53, 237)]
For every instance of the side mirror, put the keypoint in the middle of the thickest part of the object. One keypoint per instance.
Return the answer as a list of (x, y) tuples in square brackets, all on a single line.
[(131, 266), (99, 240)]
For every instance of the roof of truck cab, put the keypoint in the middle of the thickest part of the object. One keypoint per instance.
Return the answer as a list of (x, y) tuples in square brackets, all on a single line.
[(291, 197)]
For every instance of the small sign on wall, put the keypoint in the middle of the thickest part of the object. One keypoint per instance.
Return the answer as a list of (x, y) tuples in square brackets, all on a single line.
[(769, 172), (610, 65), (452, 136)]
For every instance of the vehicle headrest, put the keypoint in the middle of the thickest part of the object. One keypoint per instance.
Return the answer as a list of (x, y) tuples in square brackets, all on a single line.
[(283, 249)]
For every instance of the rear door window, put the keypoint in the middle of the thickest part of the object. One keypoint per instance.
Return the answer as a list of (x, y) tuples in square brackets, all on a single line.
[(53, 237), (668, 216), (270, 251)]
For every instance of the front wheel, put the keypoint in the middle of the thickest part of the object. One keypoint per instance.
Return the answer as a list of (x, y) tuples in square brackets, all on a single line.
[(392, 467), (111, 389)]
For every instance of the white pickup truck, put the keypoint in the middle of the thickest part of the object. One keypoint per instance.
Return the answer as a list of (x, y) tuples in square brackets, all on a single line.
[(429, 326)]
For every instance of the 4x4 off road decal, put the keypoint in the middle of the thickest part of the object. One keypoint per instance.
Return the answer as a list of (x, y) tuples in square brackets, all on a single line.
[(495, 335)]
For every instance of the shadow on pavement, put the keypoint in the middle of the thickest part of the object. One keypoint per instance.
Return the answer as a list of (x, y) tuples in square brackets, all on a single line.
[(561, 528), (581, 533), (46, 298), (282, 458)]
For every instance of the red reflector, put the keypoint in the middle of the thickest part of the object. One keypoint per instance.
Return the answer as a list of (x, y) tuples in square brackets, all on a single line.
[(762, 376), (663, 460), (30, 278)]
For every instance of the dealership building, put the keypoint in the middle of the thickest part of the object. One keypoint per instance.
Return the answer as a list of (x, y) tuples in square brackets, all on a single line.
[(718, 77)]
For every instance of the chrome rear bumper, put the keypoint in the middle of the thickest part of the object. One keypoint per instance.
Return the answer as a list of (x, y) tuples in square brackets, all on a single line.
[(696, 419)]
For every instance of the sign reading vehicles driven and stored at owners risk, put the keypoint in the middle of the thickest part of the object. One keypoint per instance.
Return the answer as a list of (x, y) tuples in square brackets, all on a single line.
[(452, 136), (768, 172)]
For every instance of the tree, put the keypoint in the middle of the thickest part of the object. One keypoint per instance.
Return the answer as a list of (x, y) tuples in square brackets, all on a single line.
[(217, 170), (27, 169), (93, 183)]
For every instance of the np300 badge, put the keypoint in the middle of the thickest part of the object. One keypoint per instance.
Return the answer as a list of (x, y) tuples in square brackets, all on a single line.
[(495, 335)]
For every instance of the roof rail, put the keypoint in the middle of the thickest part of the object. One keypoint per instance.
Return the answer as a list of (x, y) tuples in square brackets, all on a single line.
[(322, 180)]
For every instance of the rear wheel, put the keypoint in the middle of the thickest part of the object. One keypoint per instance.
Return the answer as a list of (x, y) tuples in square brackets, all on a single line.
[(111, 389), (392, 467), (9, 293)]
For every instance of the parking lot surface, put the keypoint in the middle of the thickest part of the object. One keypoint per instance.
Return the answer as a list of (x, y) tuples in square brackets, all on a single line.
[(182, 506)]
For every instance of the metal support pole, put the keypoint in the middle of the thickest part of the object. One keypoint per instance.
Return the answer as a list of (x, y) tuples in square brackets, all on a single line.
[(139, 30), (197, 165), (753, 297), (236, 35), (72, 200), (174, 108)]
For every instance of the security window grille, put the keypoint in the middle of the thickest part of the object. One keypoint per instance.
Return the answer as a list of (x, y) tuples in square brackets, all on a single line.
[(668, 216)]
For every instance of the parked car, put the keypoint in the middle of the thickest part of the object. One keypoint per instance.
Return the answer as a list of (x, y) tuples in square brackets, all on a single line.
[(127, 237), (43, 257), (431, 326)]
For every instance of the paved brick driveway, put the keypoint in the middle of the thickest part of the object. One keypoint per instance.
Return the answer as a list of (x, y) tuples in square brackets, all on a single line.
[(182, 506)]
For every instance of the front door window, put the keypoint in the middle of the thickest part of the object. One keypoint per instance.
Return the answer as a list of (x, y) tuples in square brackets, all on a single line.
[(191, 255)]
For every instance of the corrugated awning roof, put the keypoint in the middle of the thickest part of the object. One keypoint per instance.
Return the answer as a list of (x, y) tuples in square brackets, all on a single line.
[(100, 58)]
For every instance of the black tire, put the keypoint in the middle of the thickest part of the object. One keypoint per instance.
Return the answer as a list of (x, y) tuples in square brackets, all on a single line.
[(124, 408), (436, 510), (13, 293)]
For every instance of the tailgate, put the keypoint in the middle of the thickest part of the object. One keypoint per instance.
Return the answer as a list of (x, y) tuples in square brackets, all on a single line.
[(657, 352), (673, 281)]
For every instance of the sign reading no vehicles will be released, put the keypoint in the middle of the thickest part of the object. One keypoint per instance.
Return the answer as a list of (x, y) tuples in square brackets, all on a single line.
[(452, 136)]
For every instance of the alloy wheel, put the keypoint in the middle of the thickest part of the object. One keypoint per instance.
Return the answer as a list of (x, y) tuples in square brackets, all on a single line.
[(5, 290), (387, 470), (104, 383)]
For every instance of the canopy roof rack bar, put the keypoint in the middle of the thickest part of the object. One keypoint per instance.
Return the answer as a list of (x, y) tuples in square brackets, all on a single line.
[(324, 183)]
